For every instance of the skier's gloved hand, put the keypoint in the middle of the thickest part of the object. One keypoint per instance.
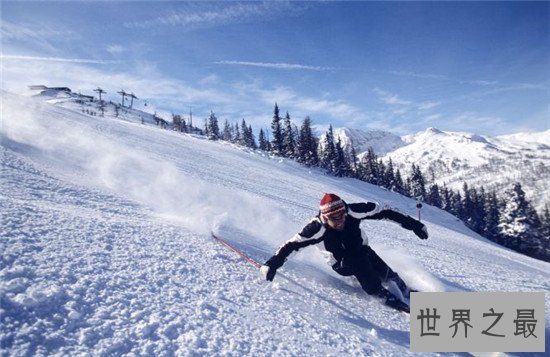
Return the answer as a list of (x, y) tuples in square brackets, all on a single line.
[(270, 267), (421, 231)]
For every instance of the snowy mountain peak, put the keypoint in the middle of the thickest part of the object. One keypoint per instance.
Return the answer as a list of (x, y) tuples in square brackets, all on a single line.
[(380, 141), (433, 130), (457, 157)]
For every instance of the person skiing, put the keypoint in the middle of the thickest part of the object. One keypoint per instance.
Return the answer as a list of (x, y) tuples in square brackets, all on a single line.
[(337, 226)]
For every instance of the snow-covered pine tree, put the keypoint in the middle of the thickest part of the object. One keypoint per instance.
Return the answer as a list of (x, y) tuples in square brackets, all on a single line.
[(237, 138), (341, 164), (389, 176), (434, 196), (492, 218), (369, 167), (399, 184), (456, 204), (328, 151), (289, 144), (246, 135), (478, 216), (262, 141), (277, 142), (519, 223), (227, 134), (307, 144), (381, 170), (212, 127), (545, 234), (251, 139), (354, 164), (446, 199), (417, 184)]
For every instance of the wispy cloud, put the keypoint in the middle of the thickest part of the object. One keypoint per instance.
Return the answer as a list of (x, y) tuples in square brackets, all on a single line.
[(300, 106), (200, 15), (394, 100), (56, 59), (284, 66), (116, 49), (389, 98), (480, 82), (39, 36)]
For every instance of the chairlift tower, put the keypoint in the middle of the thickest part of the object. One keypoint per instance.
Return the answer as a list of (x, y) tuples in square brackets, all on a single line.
[(123, 94), (100, 91)]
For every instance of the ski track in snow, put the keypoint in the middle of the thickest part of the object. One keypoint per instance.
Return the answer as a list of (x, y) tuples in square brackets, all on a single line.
[(105, 247)]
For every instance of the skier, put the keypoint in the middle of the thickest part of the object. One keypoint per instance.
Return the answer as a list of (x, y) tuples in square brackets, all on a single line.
[(346, 245)]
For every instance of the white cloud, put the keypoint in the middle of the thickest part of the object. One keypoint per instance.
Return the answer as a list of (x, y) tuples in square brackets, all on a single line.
[(391, 99), (480, 82), (284, 66), (201, 15), (116, 49), (55, 59), (427, 105), (40, 37)]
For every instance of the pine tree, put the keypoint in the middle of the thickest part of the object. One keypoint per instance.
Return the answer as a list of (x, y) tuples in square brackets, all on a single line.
[(417, 184), (369, 167), (262, 140), (389, 176), (434, 196), (399, 185), (544, 234), (227, 134), (456, 204), (251, 139), (307, 144), (446, 199), (491, 230), (277, 143), (519, 223), (213, 131), (289, 144), (354, 166), (237, 138), (341, 165), (328, 152), (479, 214), (246, 136), (467, 205)]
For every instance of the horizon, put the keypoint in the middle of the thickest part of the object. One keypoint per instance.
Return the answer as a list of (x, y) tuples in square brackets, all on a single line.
[(400, 67)]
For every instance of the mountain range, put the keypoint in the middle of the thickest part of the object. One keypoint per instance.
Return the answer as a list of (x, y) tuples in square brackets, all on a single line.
[(452, 158)]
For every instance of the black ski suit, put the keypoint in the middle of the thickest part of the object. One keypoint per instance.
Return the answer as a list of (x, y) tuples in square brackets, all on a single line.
[(348, 249)]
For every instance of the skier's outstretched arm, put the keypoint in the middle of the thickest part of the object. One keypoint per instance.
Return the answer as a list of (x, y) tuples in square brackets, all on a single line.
[(372, 210), (311, 234)]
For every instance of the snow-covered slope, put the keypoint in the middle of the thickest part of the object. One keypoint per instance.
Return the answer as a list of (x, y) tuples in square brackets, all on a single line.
[(106, 249), (455, 157)]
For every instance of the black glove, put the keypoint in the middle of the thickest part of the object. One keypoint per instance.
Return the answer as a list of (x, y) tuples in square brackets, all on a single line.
[(270, 267), (421, 231)]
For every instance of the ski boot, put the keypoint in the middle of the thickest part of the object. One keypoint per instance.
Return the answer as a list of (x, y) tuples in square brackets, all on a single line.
[(392, 300)]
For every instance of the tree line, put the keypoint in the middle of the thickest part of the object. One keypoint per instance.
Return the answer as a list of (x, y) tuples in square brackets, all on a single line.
[(509, 219)]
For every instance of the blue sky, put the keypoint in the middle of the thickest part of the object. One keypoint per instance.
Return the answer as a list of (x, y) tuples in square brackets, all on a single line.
[(481, 67)]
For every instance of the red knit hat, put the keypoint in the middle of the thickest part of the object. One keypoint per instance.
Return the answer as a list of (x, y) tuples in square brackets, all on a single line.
[(331, 203)]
